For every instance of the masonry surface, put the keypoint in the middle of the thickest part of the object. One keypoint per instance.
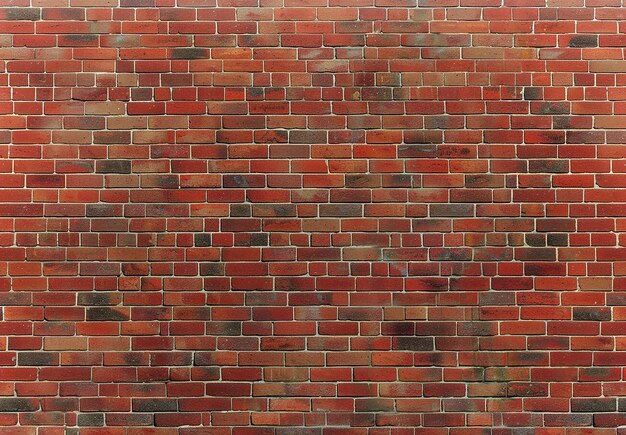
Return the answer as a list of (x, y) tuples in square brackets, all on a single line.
[(312, 217)]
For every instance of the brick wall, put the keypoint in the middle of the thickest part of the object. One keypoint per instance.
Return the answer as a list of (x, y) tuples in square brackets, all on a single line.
[(312, 217)]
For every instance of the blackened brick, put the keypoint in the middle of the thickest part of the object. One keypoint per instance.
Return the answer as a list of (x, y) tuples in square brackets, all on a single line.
[(259, 239), (551, 166), (584, 41), (107, 313), (415, 344), (202, 240), (452, 210), (535, 240), (189, 53), (533, 93), (99, 298), (596, 404), (240, 210), (95, 419), (113, 166), (592, 313), (341, 210), (557, 239), (38, 359), (8, 404), (155, 405), (212, 269), (27, 14)]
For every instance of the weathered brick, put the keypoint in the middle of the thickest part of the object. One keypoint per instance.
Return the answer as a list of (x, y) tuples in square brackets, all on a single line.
[(38, 359), (202, 240), (584, 41), (29, 14), (594, 405), (113, 166), (592, 314), (155, 405), (107, 313), (189, 53), (91, 419), (414, 343), (18, 405)]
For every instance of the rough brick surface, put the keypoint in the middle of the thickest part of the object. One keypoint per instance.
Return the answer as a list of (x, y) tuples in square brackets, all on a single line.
[(313, 217)]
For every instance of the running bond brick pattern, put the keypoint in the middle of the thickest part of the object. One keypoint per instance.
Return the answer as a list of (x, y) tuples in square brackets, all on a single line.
[(312, 217)]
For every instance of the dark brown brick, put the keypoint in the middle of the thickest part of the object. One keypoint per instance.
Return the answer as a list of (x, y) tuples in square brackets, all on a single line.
[(212, 269), (27, 14), (415, 344), (113, 166), (37, 359), (91, 420), (451, 210), (99, 298), (202, 240), (108, 314), (527, 389), (341, 210), (597, 314), (533, 93), (8, 404), (189, 53), (584, 41), (596, 404), (155, 405)]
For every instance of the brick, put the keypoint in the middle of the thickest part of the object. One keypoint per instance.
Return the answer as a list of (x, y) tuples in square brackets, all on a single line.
[(113, 166), (19, 405), (107, 313), (91, 420), (594, 405), (413, 343), (37, 359), (155, 405)]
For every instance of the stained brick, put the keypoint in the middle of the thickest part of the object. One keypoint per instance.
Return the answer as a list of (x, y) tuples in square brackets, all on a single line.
[(594, 405), (413, 343), (592, 314), (18, 405), (38, 359), (113, 166), (92, 419), (189, 53), (155, 405), (29, 14), (107, 313), (202, 240)]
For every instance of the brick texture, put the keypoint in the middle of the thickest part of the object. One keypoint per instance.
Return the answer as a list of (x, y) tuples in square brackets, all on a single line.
[(312, 217)]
